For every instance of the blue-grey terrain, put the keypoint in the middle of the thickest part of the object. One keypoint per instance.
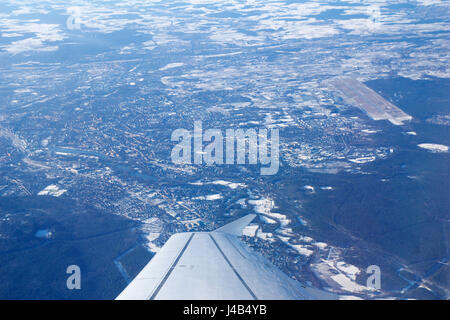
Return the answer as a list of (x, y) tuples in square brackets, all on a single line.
[(91, 91)]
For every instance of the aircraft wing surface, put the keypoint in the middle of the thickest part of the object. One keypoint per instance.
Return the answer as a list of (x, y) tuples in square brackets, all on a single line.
[(214, 266)]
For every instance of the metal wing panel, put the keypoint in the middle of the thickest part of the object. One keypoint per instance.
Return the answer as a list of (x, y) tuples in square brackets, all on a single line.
[(202, 273), (151, 276)]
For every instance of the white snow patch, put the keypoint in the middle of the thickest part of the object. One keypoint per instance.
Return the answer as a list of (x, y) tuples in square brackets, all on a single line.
[(263, 205), (209, 197), (250, 230), (231, 185), (303, 250), (434, 147), (350, 270), (363, 159), (265, 235), (347, 284), (369, 131), (52, 190), (321, 245), (171, 66), (267, 220)]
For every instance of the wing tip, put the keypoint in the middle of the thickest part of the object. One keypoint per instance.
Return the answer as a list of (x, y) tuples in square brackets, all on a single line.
[(237, 226)]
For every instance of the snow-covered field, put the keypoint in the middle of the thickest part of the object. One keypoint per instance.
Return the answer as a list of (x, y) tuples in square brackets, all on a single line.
[(434, 147)]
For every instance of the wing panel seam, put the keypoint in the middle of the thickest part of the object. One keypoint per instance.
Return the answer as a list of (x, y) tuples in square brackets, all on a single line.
[(232, 267), (174, 264)]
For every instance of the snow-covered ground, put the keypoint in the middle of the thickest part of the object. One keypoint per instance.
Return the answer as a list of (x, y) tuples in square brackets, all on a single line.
[(434, 147), (209, 197), (52, 190)]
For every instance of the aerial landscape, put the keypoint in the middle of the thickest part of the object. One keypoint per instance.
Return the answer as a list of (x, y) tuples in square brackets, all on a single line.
[(352, 96)]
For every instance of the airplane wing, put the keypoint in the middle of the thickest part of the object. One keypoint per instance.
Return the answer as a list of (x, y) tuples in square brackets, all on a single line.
[(214, 266)]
